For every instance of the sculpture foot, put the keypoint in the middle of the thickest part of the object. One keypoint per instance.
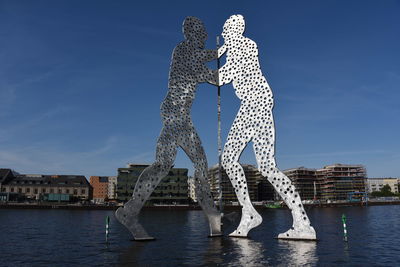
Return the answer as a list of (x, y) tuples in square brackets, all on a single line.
[(250, 219), (299, 234), (215, 224), (238, 233), (129, 219)]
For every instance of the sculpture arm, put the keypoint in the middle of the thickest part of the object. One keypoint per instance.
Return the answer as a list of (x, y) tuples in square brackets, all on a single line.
[(209, 75), (204, 73), (207, 55)]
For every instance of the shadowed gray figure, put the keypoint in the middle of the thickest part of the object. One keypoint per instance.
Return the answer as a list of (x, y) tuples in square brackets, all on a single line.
[(254, 122), (186, 71)]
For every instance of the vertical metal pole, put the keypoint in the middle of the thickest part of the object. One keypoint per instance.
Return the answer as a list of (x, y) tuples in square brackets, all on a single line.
[(219, 134), (344, 227)]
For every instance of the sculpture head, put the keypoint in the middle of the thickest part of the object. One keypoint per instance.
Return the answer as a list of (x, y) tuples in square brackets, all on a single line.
[(234, 26), (194, 31)]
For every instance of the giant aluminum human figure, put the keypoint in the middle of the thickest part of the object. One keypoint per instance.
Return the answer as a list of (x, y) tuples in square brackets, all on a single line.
[(254, 122), (186, 71)]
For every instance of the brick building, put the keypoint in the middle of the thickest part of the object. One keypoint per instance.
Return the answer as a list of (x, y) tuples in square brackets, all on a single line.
[(100, 188)]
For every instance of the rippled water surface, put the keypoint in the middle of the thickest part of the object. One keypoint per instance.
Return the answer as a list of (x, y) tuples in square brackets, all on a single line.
[(77, 238)]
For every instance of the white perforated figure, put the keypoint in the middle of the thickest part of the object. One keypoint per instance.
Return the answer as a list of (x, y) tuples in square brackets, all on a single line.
[(254, 122), (186, 71)]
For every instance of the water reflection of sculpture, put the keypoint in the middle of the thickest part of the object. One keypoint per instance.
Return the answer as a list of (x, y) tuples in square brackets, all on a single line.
[(187, 70), (301, 253), (254, 122), (248, 252)]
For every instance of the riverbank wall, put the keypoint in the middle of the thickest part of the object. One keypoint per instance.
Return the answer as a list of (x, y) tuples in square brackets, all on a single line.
[(176, 207)]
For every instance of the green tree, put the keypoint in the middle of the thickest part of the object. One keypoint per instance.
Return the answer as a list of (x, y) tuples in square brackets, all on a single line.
[(385, 191)]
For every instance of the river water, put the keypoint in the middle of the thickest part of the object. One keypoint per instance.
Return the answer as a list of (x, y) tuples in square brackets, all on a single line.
[(77, 238)]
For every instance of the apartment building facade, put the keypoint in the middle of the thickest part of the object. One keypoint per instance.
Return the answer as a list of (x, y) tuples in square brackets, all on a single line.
[(306, 182), (376, 184), (332, 182), (342, 181)]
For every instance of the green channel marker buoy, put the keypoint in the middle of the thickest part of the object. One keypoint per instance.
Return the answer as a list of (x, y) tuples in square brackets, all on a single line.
[(107, 227), (344, 227)]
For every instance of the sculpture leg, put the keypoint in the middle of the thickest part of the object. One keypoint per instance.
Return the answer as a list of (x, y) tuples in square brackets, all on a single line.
[(192, 146), (301, 228), (237, 141), (145, 185)]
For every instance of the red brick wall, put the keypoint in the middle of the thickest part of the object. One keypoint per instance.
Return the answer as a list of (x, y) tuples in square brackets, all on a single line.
[(99, 188)]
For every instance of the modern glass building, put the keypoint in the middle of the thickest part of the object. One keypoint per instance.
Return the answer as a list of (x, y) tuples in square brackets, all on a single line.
[(173, 189)]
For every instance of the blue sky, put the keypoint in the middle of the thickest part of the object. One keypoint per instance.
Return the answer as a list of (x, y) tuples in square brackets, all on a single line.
[(81, 82)]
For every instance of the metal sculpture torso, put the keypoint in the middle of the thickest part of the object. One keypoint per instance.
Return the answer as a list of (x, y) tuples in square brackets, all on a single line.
[(187, 70), (254, 122)]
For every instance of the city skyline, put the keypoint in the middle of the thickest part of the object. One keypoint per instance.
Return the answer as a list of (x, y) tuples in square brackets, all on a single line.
[(81, 83)]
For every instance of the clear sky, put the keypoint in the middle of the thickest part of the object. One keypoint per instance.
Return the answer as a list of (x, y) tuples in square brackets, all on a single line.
[(81, 82)]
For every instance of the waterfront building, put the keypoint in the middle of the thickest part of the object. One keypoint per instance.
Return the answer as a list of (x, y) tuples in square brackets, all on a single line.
[(332, 182), (45, 187), (259, 188), (100, 188), (192, 191), (112, 187), (376, 184), (306, 182), (342, 181), (5, 176), (173, 189)]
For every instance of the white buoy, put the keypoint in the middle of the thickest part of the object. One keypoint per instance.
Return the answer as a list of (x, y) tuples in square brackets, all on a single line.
[(344, 227), (107, 227)]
